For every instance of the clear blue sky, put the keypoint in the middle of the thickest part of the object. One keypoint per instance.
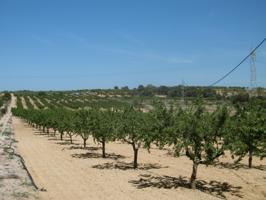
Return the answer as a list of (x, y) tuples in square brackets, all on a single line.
[(63, 44)]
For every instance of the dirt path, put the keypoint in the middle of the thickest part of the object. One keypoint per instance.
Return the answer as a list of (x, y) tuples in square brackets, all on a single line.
[(14, 180), (13, 103)]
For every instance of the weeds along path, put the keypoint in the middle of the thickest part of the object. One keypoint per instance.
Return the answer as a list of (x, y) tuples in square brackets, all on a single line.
[(4, 121), (15, 181)]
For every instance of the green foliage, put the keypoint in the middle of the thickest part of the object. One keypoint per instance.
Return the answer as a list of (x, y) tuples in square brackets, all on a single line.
[(104, 126), (240, 98), (42, 94), (2, 111), (194, 131), (163, 124), (199, 133), (134, 128), (248, 130), (84, 124), (4, 99), (6, 96)]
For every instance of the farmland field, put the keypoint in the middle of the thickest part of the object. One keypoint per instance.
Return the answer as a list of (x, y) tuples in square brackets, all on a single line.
[(62, 170)]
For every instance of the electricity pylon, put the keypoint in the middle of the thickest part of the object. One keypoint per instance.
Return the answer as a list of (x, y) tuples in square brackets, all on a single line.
[(253, 75)]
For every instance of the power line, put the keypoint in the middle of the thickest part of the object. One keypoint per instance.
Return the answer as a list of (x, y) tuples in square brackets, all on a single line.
[(243, 60)]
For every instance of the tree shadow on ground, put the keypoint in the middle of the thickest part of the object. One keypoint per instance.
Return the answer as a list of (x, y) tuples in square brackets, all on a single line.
[(39, 133), (215, 188), (127, 166), (53, 139), (97, 155), (86, 148), (64, 143), (237, 166), (50, 135)]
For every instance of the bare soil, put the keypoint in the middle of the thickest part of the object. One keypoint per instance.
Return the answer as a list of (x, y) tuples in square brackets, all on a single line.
[(32, 102), (39, 101), (23, 102)]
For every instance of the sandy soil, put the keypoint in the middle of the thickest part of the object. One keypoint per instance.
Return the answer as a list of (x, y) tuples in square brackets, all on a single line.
[(13, 103), (40, 102), (23, 103), (68, 172), (32, 103), (48, 100)]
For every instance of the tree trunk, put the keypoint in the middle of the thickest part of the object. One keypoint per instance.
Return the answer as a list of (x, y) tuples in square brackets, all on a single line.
[(250, 153), (135, 163), (43, 129), (61, 135), (194, 175), (84, 142), (47, 130), (70, 136), (103, 148)]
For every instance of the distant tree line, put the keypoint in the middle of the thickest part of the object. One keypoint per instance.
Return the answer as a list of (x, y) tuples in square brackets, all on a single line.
[(216, 93), (180, 90)]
